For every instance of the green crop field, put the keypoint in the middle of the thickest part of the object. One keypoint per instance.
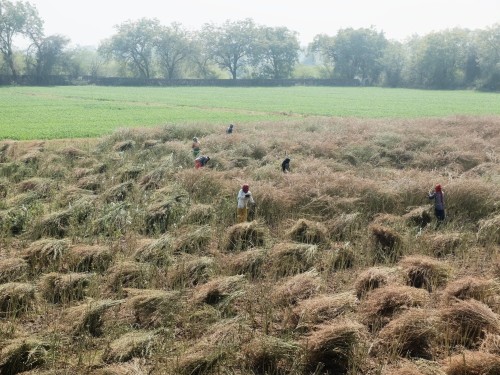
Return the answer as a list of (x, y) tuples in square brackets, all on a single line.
[(89, 111)]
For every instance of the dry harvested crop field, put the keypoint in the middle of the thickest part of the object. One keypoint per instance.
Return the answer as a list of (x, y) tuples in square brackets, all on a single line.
[(118, 257)]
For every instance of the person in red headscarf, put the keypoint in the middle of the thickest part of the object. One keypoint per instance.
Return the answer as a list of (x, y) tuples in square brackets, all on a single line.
[(244, 198), (438, 195)]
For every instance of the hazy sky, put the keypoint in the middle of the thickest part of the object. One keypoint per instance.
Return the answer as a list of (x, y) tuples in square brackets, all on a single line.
[(87, 22)]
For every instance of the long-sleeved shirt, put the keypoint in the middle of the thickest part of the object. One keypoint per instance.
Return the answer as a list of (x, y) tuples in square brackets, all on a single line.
[(244, 198), (438, 197)]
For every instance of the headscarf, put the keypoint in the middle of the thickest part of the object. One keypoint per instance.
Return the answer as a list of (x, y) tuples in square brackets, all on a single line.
[(245, 188)]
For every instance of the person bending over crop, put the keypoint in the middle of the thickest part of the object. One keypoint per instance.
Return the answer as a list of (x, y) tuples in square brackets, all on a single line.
[(201, 161)]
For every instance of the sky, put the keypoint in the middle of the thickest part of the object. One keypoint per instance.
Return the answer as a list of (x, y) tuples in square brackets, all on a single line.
[(88, 22)]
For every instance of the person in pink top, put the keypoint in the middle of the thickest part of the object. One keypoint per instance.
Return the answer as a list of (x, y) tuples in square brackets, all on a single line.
[(438, 195)]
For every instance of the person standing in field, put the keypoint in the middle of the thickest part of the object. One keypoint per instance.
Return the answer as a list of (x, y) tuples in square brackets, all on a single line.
[(438, 195), (244, 198), (229, 130), (201, 161), (285, 165), (195, 147)]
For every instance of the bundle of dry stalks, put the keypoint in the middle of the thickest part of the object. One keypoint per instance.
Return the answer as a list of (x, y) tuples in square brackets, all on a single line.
[(42, 187), (244, 236), (414, 367), (124, 145), (297, 288), (331, 348), (269, 355), (413, 334), (386, 243), (89, 183), (321, 309), (420, 217), (424, 272), (219, 291), (55, 224), (382, 304), (489, 230), (88, 258), (46, 254), (157, 252), (16, 299), (467, 322), (191, 272), (88, 317), (118, 193), (152, 307), (249, 263), (199, 214), (192, 240), (491, 344), (137, 344), (373, 278), (22, 354), (286, 259), (133, 367), (481, 289), (71, 152), (13, 269), (309, 232), (128, 274), (63, 288), (442, 244), (199, 359), (345, 226), (472, 363)]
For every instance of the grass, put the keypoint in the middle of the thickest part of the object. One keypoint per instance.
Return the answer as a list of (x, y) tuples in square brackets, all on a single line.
[(91, 111), (117, 249)]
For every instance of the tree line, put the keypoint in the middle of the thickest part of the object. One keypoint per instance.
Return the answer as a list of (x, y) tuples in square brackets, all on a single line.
[(144, 48)]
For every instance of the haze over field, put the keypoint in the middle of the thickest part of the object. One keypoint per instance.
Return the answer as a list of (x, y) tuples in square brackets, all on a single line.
[(88, 22)]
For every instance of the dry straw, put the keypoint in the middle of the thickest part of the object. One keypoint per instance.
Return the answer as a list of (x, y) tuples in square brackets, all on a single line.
[(424, 272), (467, 322), (152, 307), (472, 362), (128, 274), (478, 288), (373, 278), (192, 240), (297, 288), (22, 354), (64, 288), (322, 309), (191, 271), (382, 304), (16, 299), (309, 232), (155, 251), (249, 263), (46, 254), (137, 344), (332, 348), (88, 258), (287, 258), (220, 291), (87, 319), (245, 236), (489, 230), (13, 269), (413, 334)]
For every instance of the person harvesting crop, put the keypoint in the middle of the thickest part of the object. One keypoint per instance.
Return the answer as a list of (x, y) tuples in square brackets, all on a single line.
[(244, 198), (438, 195)]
